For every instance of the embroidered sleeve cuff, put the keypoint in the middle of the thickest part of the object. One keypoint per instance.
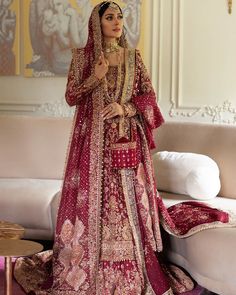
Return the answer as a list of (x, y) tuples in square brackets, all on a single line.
[(90, 83), (129, 110)]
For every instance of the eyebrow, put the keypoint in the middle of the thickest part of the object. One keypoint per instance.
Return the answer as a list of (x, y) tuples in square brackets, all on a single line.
[(119, 13)]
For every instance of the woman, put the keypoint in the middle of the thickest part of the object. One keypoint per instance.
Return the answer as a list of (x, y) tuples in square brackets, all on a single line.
[(108, 233)]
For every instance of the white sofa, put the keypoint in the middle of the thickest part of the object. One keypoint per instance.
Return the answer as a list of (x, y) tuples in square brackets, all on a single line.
[(209, 256), (32, 158)]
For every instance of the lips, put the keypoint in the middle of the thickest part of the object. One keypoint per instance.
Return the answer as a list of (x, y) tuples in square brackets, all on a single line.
[(116, 30)]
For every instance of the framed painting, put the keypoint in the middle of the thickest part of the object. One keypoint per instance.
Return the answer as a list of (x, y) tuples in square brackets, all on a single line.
[(9, 38), (44, 54)]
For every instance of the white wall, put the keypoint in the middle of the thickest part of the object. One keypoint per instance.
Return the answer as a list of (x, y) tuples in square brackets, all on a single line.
[(196, 72), (190, 53), (32, 95)]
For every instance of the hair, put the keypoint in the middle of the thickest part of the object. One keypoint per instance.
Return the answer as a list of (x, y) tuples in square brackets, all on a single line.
[(106, 4)]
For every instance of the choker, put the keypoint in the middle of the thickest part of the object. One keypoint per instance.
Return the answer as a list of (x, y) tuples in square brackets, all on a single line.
[(111, 47)]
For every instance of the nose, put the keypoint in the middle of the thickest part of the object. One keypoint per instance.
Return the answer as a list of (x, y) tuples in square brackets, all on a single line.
[(117, 20)]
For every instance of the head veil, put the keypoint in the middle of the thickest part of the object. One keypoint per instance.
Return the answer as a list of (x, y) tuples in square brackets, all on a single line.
[(94, 45)]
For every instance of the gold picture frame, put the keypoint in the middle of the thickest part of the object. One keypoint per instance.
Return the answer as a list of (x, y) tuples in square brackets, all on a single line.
[(230, 4), (42, 58), (10, 38)]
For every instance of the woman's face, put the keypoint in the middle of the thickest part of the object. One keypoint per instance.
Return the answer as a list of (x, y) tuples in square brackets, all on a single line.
[(112, 23)]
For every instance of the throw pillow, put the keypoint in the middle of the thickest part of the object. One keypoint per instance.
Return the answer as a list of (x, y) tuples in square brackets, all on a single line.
[(191, 174)]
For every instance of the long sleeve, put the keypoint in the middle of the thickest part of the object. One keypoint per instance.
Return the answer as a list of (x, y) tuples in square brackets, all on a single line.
[(76, 90), (145, 100)]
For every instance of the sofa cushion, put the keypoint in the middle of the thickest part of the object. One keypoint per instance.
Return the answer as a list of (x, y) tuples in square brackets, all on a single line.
[(191, 174), (28, 202)]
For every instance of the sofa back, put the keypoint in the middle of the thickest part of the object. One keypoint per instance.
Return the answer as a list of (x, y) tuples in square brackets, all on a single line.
[(33, 147), (215, 141)]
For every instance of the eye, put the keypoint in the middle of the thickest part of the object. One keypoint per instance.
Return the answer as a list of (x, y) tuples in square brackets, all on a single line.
[(120, 16), (109, 18)]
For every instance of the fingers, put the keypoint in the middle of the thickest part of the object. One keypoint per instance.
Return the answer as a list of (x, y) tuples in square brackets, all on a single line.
[(103, 60), (110, 111), (110, 115), (99, 60)]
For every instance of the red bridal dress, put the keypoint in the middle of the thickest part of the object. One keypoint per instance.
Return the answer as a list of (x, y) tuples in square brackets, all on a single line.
[(108, 235)]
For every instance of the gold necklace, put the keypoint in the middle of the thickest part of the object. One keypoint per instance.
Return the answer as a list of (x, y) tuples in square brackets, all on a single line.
[(111, 47)]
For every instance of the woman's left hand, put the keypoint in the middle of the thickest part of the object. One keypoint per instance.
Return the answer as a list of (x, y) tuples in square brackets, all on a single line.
[(112, 110)]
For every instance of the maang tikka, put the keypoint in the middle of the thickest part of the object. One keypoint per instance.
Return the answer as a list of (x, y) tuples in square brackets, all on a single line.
[(111, 5)]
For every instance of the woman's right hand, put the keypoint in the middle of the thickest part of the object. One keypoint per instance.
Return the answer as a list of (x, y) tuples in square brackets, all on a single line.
[(101, 67)]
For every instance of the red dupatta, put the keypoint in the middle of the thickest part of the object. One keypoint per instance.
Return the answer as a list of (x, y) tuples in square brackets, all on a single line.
[(77, 240)]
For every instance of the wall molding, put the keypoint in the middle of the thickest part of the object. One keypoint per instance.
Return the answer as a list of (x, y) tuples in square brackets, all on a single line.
[(156, 42), (176, 55), (58, 108), (222, 113), (16, 106)]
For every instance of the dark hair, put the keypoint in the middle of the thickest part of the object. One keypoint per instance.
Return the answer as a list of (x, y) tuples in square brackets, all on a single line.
[(106, 4)]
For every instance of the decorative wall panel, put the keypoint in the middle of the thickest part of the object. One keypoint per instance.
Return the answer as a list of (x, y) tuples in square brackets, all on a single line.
[(203, 61)]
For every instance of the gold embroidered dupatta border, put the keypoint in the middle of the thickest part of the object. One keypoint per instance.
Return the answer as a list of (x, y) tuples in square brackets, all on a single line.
[(127, 177), (96, 163)]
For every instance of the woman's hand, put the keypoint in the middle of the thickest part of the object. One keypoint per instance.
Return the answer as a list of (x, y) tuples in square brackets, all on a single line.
[(112, 110), (101, 67)]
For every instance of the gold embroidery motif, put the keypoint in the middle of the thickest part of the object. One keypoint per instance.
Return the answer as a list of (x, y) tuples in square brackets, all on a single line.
[(120, 279), (150, 187), (72, 254), (117, 251), (129, 193), (129, 110), (128, 83), (124, 146)]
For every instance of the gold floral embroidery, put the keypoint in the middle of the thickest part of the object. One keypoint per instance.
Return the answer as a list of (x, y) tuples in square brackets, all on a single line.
[(129, 109), (72, 254), (67, 232), (95, 180), (117, 251), (151, 188), (119, 279), (145, 83), (148, 113), (144, 203)]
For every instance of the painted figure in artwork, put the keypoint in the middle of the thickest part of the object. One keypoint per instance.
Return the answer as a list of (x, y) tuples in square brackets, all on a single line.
[(85, 11), (54, 30), (132, 21)]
